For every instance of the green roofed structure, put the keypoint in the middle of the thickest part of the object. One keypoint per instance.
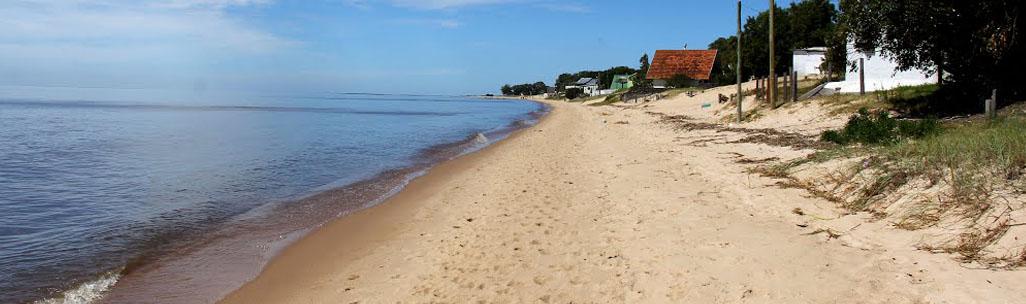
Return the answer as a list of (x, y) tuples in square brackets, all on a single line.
[(621, 82)]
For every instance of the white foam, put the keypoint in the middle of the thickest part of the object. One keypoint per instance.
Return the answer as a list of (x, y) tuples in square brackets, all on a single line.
[(88, 292)]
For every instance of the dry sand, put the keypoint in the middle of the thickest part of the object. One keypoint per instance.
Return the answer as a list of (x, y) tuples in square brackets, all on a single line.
[(605, 205)]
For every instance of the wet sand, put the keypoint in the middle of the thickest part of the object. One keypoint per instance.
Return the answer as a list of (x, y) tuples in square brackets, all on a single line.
[(606, 205)]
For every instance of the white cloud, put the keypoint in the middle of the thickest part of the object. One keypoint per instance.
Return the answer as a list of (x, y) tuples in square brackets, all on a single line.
[(209, 3), (196, 24), (442, 23), (447, 4), (552, 5), (565, 7), (84, 40)]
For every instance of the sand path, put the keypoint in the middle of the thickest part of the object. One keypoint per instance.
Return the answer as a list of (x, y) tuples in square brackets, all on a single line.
[(585, 208)]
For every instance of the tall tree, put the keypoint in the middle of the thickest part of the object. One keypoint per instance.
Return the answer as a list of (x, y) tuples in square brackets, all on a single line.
[(642, 81), (564, 80)]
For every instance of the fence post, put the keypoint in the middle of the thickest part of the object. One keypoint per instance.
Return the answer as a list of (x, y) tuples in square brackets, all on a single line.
[(992, 105), (784, 92), (794, 85), (758, 86)]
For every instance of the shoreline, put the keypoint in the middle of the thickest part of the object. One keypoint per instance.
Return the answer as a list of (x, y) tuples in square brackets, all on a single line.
[(361, 229), (613, 205), (212, 265)]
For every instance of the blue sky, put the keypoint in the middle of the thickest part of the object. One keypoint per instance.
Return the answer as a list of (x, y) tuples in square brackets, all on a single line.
[(387, 46)]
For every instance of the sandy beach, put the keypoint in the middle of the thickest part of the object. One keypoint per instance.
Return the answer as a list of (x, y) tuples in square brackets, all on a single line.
[(609, 205)]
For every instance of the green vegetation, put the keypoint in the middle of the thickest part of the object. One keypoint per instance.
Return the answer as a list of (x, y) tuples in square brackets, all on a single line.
[(524, 89), (611, 99), (680, 81), (879, 128), (574, 93), (912, 100), (642, 81), (967, 151), (971, 158)]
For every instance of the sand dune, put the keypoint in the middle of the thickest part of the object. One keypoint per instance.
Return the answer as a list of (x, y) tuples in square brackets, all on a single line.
[(606, 205)]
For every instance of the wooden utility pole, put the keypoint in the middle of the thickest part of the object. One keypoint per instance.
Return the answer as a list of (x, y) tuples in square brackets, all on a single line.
[(862, 76), (772, 85), (740, 94)]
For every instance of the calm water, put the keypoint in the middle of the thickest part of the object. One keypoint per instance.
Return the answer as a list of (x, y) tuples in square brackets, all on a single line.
[(138, 187)]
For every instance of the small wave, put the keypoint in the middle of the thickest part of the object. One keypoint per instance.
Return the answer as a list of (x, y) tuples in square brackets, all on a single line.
[(481, 139), (88, 292)]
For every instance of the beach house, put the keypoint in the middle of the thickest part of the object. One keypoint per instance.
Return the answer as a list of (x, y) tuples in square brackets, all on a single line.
[(621, 82), (807, 61), (880, 71), (589, 85), (697, 65)]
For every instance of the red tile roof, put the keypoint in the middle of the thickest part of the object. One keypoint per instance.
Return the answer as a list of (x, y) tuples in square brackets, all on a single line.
[(696, 64)]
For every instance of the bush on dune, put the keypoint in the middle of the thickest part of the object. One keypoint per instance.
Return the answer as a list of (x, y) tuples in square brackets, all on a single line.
[(879, 129)]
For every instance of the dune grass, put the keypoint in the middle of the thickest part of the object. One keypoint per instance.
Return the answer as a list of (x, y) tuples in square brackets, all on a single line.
[(967, 152)]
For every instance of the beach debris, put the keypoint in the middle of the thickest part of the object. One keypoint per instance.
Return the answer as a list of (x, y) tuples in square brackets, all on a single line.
[(769, 136), (706, 105), (831, 234)]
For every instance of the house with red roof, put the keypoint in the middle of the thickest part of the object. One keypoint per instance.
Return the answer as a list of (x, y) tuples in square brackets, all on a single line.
[(697, 65)]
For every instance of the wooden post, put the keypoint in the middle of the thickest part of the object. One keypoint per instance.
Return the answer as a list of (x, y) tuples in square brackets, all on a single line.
[(772, 85), (992, 105), (862, 76), (787, 88), (830, 71), (740, 94), (758, 85), (794, 85)]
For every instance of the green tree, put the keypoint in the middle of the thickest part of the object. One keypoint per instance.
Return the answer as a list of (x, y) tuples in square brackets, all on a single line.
[(642, 81), (507, 90), (574, 93), (725, 69), (538, 88), (564, 80), (978, 44)]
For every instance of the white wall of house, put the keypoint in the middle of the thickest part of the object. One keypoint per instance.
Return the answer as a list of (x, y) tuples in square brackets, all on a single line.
[(806, 64), (590, 90), (881, 74)]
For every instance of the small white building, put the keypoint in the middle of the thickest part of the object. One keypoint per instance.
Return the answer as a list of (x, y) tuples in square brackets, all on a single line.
[(590, 86), (881, 74), (808, 61)]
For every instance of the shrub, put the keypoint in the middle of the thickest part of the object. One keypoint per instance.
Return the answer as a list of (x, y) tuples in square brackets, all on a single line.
[(573, 93), (679, 81), (879, 128)]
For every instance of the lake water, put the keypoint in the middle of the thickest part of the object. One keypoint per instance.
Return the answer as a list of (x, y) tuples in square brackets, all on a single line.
[(151, 196)]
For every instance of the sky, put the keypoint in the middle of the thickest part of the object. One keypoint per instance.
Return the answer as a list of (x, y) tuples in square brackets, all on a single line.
[(380, 46)]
